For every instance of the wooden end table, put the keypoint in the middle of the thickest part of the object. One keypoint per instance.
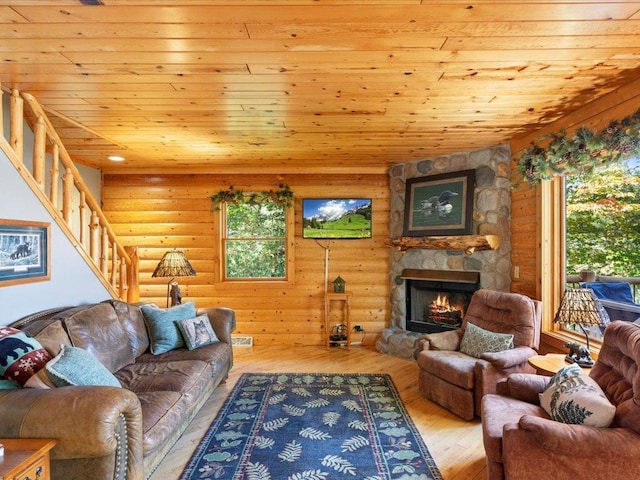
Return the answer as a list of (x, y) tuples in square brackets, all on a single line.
[(343, 299), (550, 363), (26, 458)]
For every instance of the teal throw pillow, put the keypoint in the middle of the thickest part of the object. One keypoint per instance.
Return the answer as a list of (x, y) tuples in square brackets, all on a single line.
[(574, 397), (197, 331), (161, 325), (75, 366), (477, 341), (21, 355)]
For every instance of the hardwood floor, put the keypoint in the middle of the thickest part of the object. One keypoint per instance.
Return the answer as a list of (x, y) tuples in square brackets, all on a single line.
[(455, 445)]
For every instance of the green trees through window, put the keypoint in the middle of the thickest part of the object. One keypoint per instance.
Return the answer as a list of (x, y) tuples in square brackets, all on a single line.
[(254, 241), (603, 220)]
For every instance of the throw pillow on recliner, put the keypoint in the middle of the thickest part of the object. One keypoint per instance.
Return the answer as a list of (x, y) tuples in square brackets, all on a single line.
[(575, 398), (477, 341)]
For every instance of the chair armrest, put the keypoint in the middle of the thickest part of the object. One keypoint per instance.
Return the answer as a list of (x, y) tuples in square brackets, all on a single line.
[(449, 340), (509, 358), (621, 311), (223, 321), (525, 386), (536, 448), (87, 421)]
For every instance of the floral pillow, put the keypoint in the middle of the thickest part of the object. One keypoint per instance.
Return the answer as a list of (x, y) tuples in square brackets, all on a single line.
[(21, 355), (574, 397), (477, 341)]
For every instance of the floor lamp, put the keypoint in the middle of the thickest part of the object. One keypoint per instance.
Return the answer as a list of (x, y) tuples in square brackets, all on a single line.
[(174, 264)]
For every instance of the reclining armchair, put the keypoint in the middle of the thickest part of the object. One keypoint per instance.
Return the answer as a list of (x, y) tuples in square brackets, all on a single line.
[(522, 442), (457, 380)]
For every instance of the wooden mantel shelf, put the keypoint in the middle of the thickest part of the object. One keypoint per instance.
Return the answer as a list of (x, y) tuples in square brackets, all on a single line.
[(467, 243)]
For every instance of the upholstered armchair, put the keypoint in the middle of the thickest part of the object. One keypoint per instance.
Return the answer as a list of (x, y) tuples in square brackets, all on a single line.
[(523, 443), (457, 380)]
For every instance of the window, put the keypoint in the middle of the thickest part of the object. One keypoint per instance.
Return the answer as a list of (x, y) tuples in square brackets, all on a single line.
[(603, 221), (591, 223), (254, 241)]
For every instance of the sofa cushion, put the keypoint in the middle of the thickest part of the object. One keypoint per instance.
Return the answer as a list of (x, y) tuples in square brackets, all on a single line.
[(40, 380), (160, 412), (21, 355), (75, 366), (456, 367), (218, 355), (98, 330), (197, 332), (161, 325), (52, 336), (477, 341), (132, 321), (159, 376), (574, 397)]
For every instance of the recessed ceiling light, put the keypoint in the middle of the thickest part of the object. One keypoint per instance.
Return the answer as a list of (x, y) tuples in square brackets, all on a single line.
[(116, 158)]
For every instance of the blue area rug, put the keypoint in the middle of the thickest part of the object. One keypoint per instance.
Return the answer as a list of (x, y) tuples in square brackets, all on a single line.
[(312, 427)]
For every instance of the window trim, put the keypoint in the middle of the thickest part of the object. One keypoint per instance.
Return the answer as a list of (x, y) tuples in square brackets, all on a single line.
[(219, 256), (552, 262)]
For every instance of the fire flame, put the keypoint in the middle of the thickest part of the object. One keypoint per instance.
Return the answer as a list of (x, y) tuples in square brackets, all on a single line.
[(441, 304)]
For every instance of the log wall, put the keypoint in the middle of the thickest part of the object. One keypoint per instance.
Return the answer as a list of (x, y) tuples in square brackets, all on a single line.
[(156, 213)]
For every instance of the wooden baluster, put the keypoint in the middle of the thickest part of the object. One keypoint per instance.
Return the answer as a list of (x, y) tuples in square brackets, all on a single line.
[(114, 263), (39, 146), (133, 291), (81, 213), (67, 196), (55, 176), (104, 266), (94, 239), (123, 279), (16, 128)]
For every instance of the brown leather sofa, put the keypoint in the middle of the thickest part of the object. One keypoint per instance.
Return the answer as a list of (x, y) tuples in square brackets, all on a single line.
[(523, 443), (110, 432), (458, 381)]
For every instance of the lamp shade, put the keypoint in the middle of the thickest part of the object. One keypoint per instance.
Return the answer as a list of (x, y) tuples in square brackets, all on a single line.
[(174, 264), (580, 306)]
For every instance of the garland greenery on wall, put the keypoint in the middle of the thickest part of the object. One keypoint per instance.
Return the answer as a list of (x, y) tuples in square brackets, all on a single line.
[(283, 196), (581, 152)]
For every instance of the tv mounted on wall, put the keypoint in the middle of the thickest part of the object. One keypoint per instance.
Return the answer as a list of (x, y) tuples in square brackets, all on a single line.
[(336, 218)]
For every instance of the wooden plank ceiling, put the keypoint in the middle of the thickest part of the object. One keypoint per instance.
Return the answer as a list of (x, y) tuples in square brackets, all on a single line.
[(308, 85)]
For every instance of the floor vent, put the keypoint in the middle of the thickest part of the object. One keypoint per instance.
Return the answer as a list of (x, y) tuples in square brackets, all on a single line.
[(242, 341)]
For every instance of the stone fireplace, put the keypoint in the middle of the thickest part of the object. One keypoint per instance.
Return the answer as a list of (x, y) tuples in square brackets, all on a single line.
[(491, 216), (437, 300)]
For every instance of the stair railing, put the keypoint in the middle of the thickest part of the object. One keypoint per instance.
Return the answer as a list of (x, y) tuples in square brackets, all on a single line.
[(67, 197)]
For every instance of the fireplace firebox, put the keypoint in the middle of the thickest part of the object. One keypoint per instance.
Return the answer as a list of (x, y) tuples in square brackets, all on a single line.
[(437, 299)]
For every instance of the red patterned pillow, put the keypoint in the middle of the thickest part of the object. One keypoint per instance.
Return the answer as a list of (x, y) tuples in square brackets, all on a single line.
[(21, 355)]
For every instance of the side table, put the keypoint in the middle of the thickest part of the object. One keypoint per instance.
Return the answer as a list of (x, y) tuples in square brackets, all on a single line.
[(343, 299), (26, 458), (550, 363)]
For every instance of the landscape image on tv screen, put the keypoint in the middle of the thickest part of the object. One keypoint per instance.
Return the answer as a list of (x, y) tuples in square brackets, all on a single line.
[(335, 218)]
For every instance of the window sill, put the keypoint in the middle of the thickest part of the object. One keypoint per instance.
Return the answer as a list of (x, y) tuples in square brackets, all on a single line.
[(553, 342)]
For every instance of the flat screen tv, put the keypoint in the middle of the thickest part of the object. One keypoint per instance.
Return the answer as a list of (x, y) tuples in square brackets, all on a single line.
[(336, 218)]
